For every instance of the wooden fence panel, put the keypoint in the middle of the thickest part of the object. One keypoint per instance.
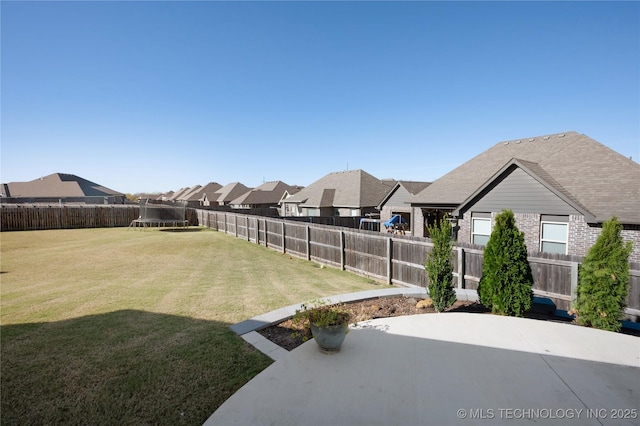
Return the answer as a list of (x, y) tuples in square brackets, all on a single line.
[(473, 261), (253, 227), (222, 222), (408, 260), (325, 245), (296, 238), (242, 227), (28, 217), (274, 234), (366, 254), (262, 231), (551, 278)]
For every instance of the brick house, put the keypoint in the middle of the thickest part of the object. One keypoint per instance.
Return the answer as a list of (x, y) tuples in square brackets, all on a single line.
[(349, 193), (561, 188), (396, 202)]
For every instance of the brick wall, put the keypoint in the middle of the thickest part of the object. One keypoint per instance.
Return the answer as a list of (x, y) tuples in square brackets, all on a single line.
[(417, 222), (464, 228), (529, 223), (581, 235)]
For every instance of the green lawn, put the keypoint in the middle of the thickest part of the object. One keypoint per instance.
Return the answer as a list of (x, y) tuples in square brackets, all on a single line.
[(122, 326)]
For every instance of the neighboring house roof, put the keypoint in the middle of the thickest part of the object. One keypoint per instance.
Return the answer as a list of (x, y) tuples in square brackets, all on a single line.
[(165, 196), (353, 188), (208, 191), (412, 187), (178, 195), (267, 193), (229, 192), (591, 177), (189, 195), (535, 171), (60, 185)]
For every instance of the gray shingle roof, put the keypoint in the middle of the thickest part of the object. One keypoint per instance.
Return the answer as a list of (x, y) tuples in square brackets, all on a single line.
[(191, 193), (353, 188), (208, 190), (414, 187), (267, 193), (178, 195), (57, 185), (604, 182), (229, 192)]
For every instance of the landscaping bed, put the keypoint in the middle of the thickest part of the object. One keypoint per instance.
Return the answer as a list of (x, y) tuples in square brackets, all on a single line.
[(384, 307)]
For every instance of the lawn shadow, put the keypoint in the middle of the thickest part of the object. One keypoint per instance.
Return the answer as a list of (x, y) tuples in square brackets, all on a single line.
[(123, 367)]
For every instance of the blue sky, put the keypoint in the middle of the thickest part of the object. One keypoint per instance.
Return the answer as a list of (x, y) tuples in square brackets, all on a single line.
[(155, 96)]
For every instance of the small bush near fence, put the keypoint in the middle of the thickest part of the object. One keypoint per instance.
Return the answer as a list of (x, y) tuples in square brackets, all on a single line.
[(505, 286), (604, 280), (440, 266)]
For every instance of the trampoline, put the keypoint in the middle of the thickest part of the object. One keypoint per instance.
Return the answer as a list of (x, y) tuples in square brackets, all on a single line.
[(161, 215)]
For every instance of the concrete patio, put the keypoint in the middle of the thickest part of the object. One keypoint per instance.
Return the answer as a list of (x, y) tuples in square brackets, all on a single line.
[(450, 368)]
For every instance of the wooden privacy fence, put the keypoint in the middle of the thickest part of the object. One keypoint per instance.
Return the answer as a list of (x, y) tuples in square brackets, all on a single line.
[(25, 217), (32, 217), (397, 259)]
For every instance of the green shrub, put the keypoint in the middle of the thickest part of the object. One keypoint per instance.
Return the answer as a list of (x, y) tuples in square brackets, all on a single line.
[(603, 280), (505, 286), (439, 266)]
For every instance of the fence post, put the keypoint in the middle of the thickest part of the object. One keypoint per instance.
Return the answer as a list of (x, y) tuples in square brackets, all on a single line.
[(235, 224), (389, 261), (308, 236), (266, 234), (246, 221), (342, 253), (574, 281), (257, 231), (284, 248), (460, 267)]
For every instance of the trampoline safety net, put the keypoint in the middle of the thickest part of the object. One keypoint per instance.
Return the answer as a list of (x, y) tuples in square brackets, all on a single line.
[(157, 213)]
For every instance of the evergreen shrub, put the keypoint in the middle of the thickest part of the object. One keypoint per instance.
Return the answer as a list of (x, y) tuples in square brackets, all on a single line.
[(603, 280), (439, 266), (505, 286)]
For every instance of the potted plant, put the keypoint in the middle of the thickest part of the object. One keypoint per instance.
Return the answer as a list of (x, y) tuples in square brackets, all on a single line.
[(328, 322)]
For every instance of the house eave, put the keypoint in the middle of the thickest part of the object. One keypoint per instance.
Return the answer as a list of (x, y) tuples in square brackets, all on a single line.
[(515, 163)]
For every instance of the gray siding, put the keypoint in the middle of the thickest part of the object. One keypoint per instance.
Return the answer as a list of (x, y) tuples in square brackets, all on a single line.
[(522, 194), (400, 199)]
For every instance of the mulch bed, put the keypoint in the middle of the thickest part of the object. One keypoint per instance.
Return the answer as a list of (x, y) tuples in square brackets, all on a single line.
[(385, 307)]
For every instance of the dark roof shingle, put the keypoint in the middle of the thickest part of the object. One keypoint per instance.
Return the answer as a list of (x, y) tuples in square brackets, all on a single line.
[(352, 188), (604, 182)]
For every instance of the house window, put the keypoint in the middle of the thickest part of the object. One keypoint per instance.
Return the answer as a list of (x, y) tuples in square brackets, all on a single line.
[(480, 228), (554, 234)]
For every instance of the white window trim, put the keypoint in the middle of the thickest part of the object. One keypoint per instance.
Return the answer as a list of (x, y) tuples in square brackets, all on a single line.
[(565, 242)]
